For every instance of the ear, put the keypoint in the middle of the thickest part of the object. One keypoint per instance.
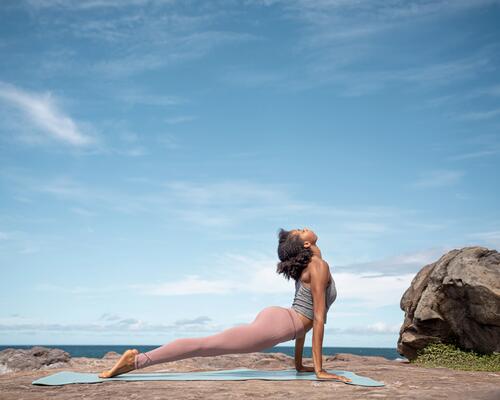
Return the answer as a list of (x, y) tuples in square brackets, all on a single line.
[(307, 244)]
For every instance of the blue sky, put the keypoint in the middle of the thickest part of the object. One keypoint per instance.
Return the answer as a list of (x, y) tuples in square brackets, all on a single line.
[(151, 150)]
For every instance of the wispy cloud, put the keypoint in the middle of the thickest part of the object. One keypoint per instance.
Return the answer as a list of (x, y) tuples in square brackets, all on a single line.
[(173, 50), (4, 236), (246, 77), (402, 264), (142, 35), (216, 204), (370, 227), (479, 115), (43, 112), (344, 73), (492, 90), (370, 285), (369, 16), (135, 96), (80, 196), (489, 237), (475, 154), (111, 323), (180, 119), (169, 141), (366, 290), (86, 5), (478, 146), (338, 38), (251, 274), (377, 328), (457, 98), (437, 178), (82, 211)]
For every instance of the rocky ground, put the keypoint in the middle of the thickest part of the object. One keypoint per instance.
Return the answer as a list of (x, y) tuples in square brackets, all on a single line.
[(402, 381)]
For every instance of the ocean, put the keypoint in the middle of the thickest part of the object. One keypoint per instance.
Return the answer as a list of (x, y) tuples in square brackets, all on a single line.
[(98, 351)]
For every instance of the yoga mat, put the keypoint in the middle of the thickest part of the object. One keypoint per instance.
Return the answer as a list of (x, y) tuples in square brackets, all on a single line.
[(240, 374)]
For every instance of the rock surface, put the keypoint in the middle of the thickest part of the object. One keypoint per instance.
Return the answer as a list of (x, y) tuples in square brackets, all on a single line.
[(111, 355), (454, 300), (37, 357), (402, 381)]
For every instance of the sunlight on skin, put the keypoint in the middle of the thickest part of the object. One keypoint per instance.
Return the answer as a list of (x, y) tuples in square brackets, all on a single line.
[(125, 364)]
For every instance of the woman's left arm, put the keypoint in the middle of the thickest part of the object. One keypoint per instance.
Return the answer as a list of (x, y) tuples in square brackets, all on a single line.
[(299, 348)]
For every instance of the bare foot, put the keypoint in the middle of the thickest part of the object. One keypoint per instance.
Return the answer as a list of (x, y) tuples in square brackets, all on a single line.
[(124, 364)]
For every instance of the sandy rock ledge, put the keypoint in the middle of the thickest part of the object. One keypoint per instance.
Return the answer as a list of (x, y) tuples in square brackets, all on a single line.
[(402, 380)]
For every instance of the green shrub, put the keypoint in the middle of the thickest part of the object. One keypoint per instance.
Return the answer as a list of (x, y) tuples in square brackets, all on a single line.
[(450, 356)]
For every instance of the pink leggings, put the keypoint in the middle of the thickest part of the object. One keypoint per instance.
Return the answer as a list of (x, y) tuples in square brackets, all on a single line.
[(271, 326)]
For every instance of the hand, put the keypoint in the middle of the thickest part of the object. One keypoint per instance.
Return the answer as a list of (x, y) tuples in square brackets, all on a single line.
[(326, 375), (304, 368)]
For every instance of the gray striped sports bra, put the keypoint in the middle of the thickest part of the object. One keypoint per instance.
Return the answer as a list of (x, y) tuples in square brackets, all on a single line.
[(303, 301)]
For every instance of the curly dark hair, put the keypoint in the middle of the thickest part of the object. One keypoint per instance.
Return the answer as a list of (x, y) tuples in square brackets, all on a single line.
[(294, 257)]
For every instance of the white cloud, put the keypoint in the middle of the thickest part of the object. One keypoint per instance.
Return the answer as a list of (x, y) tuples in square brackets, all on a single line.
[(397, 266), (367, 291), (109, 317), (377, 328), (371, 291), (256, 274), (247, 274), (110, 323), (42, 111)]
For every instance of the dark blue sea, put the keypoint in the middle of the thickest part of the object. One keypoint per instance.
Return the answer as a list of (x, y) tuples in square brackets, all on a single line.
[(98, 351)]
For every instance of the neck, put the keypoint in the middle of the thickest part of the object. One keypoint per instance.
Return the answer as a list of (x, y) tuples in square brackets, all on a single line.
[(316, 251)]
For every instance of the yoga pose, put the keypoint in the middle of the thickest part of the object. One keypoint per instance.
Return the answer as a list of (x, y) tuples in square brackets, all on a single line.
[(300, 259)]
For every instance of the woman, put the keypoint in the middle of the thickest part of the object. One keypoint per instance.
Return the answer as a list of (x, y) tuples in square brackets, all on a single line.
[(300, 259)]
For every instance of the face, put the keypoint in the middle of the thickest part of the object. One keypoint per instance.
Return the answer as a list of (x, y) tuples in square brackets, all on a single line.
[(307, 236)]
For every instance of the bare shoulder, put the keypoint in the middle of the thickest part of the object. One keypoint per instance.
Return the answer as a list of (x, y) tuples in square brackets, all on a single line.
[(319, 269), (318, 263)]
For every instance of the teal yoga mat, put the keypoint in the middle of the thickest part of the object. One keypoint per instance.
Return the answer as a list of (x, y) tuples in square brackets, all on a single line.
[(241, 374)]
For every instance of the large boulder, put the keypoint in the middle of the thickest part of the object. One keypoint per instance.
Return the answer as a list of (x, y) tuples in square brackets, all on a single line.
[(37, 357), (454, 300)]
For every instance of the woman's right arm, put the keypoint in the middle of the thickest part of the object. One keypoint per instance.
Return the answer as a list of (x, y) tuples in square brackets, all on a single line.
[(319, 280), (320, 274)]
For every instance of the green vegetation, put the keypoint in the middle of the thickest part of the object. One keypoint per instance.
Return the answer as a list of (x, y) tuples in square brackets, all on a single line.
[(450, 356)]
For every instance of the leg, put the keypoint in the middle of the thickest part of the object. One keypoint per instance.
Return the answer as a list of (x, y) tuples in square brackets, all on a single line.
[(271, 326)]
